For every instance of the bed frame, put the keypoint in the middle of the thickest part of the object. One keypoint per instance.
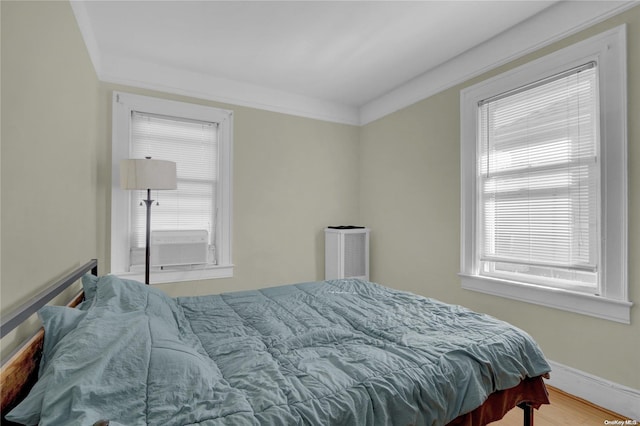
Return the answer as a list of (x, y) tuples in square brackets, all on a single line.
[(20, 370)]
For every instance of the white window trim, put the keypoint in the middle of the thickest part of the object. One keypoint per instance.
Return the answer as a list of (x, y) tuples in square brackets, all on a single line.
[(609, 50), (123, 105)]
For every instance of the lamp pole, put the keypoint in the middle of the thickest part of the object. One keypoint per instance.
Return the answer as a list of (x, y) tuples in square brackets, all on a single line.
[(147, 261)]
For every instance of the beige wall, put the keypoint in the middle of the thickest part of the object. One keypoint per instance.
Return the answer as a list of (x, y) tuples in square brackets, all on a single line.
[(292, 177), (413, 209), (49, 133)]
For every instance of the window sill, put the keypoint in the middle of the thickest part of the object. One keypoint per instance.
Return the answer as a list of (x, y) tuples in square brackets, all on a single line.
[(585, 304), (162, 277)]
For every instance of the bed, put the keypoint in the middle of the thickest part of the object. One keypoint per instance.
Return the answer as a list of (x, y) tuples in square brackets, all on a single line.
[(341, 352)]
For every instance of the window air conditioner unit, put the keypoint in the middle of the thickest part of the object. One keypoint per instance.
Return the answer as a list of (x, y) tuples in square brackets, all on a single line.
[(173, 248), (346, 251)]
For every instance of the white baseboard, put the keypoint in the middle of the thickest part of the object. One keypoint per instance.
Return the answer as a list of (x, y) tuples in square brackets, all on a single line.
[(612, 396)]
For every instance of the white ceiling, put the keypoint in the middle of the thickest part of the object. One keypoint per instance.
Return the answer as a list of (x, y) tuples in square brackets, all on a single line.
[(291, 55)]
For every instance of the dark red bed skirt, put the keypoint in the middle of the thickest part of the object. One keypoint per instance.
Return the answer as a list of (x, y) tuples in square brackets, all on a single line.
[(531, 391)]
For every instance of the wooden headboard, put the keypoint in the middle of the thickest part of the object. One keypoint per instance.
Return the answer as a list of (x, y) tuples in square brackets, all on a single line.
[(20, 371)]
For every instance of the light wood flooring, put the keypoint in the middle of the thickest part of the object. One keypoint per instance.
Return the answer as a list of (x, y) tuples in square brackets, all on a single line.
[(564, 410)]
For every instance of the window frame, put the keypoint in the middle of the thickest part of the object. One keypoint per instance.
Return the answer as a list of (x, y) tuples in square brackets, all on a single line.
[(608, 49), (122, 106)]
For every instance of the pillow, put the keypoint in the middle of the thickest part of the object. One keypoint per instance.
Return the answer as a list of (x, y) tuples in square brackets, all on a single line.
[(130, 334), (95, 359), (57, 321), (118, 295), (28, 411), (89, 285)]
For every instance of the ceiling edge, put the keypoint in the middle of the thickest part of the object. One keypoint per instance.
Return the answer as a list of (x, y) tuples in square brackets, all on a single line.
[(136, 73), (84, 24), (147, 75), (552, 24)]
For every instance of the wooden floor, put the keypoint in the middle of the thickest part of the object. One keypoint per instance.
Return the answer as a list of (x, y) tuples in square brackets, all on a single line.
[(564, 410)]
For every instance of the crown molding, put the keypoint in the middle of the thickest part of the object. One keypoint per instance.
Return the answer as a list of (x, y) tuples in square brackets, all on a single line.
[(551, 25), (84, 24), (153, 76), (147, 75)]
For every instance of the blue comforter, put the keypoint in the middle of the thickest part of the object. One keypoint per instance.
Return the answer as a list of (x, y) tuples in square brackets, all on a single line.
[(344, 352)]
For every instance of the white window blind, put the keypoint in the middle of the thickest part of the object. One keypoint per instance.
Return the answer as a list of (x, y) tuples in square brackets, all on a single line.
[(538, 182), (193, 146)]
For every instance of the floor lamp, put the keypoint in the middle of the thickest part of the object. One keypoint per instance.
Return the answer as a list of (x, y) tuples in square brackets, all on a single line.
[(147, 174)]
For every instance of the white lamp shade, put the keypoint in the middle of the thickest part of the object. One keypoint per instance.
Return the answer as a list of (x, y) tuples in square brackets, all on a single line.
[(147, 174)]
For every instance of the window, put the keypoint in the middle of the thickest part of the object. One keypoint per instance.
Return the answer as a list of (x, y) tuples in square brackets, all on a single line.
[(544, 181), (198, 139), (537, 182)]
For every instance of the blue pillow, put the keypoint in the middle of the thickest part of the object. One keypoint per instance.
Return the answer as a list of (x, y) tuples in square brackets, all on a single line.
[(28, 411), (57, 321), (89, 285), (130, 334)]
